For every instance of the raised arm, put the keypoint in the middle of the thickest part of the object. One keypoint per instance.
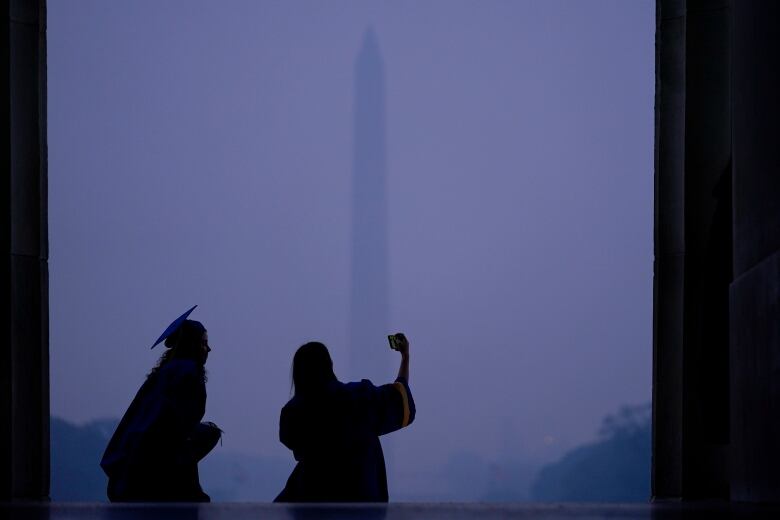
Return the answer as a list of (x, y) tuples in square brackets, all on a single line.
[(403, 348), (392, 405)]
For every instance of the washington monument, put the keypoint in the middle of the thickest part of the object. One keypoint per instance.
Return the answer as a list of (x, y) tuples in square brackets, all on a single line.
[(369, 297)]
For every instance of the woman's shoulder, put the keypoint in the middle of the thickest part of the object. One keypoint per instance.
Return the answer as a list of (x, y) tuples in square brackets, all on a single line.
[(360, 386), (359, 390), (292, 404), (333, 390)]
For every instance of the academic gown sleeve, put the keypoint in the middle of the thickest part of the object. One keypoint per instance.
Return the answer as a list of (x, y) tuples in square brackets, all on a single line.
[(391, 406)]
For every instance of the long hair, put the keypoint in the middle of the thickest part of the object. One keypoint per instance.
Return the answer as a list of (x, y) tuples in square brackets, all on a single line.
[(184, 343), (312, 368)]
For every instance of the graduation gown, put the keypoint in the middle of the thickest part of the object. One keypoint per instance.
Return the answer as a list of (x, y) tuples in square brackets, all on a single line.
[(151, 456), (334, 436)]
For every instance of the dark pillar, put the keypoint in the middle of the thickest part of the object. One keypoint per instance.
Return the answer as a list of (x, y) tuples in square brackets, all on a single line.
[(24, 369), (708, 243), (669, 261), (693, 264), (717, 352), (755, 292)]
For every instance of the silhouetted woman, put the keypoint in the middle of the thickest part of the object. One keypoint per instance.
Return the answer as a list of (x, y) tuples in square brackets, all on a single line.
[(153, 455), (333, 429)]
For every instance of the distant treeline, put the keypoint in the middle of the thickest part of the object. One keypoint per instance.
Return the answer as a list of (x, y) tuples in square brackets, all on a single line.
[(614, 468), (75, 460)]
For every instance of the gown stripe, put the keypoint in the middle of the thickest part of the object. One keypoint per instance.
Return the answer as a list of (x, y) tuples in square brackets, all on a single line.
[(405, 401)]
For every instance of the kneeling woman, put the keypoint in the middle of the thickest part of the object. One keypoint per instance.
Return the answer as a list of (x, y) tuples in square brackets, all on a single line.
[(333, 429), (154, 452)]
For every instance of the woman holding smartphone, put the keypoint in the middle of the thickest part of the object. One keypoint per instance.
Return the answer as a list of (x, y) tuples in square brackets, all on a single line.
[(333, 428)]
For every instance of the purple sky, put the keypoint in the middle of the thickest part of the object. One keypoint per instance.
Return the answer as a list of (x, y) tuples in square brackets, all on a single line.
[(200, 152)]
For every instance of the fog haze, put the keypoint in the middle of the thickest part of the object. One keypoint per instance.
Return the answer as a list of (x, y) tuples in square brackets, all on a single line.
[(202, 153)]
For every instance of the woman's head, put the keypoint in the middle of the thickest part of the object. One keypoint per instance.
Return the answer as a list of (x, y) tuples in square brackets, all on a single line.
[(312, 368), (189, 341)]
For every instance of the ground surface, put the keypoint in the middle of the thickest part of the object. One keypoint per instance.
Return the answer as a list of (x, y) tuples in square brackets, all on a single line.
[(663, 511)]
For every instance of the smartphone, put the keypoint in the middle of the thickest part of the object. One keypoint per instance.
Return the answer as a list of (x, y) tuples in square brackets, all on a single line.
[(393, 342)]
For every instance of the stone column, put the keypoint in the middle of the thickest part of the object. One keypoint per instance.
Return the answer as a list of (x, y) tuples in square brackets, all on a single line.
[(755, 292), (669, 238), (693, 266), (24, 351), (708, 248)]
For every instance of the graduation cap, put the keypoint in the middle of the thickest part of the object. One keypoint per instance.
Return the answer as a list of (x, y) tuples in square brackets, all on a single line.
[(173, 327)]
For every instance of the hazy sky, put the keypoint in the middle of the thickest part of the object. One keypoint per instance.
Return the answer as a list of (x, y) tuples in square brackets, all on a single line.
[(200, 153)]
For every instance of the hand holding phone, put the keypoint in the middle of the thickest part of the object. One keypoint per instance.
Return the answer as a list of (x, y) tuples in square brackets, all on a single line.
[(398, 342)]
